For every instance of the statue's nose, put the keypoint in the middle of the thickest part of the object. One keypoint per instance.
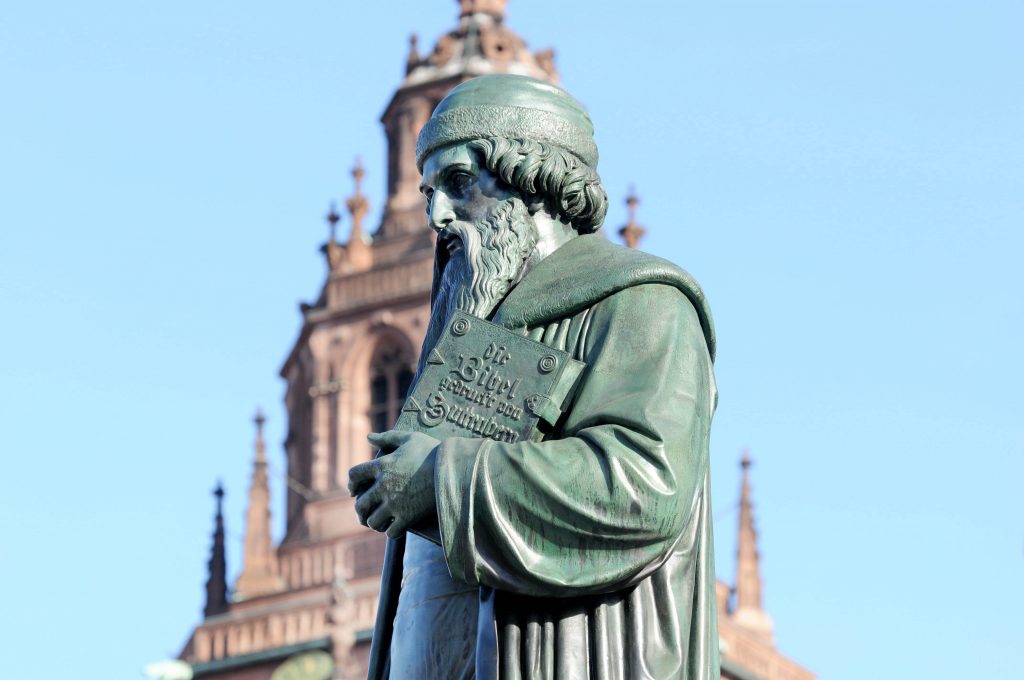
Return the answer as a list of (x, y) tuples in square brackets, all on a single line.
[(441, 213)]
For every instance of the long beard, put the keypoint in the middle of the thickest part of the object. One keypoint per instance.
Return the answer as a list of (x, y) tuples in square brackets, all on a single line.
[(479, 275)]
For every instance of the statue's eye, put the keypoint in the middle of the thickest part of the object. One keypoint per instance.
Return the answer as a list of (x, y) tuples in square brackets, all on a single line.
[(459, 182)]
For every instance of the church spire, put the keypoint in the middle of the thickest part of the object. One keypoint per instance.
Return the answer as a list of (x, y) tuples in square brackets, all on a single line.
[(216, 583), (632, 232), (749, 612), (259, 562)]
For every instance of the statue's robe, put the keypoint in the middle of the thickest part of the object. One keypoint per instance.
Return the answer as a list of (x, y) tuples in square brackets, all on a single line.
[(593, 548)]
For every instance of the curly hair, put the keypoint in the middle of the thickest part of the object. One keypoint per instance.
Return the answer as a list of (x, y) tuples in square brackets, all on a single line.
[(571, 190)]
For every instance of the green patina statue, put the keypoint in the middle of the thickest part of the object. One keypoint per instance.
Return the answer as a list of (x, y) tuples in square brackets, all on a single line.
[(545, 491)]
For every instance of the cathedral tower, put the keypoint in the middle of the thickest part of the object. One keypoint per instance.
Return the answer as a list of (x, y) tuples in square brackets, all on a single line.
[(315, 594), (306, 607)]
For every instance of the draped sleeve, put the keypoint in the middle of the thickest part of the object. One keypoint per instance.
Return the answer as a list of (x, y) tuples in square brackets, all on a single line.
[(600, 504)]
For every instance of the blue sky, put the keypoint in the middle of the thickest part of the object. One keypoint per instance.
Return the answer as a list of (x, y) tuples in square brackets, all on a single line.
[(843, 178)]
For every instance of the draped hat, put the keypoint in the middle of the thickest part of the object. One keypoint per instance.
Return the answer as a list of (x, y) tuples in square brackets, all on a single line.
[(513, 107)]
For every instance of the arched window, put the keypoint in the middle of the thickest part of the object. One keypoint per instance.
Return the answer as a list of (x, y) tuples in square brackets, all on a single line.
[(391, 373)]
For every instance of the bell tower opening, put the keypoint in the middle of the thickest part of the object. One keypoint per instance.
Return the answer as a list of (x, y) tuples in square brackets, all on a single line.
[(391, 373)]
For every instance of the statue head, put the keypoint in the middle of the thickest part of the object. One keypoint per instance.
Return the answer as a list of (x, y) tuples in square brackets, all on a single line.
[(509, 169)]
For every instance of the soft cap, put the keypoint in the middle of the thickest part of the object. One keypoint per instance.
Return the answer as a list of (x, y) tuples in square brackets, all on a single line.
[(514, 107)]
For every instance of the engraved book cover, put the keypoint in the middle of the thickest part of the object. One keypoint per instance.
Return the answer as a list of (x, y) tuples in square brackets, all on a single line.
[(484, 381)]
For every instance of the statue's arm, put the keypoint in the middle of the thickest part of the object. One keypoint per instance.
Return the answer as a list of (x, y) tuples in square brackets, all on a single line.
[(603, 506)]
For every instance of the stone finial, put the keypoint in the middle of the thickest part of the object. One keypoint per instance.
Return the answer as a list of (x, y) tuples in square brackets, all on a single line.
[(749, 612), (546, 61), (357, 204), (332, 217), (413, 60), (259, 562), (632, 232), (495, 8), (261, 450), (360, 255), (216, 582), (334, 252)]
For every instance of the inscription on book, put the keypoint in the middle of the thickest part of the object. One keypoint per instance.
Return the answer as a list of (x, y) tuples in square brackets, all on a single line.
[(484, 381)]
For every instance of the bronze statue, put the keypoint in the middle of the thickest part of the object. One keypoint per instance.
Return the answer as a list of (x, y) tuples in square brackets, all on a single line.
[(579, 546)]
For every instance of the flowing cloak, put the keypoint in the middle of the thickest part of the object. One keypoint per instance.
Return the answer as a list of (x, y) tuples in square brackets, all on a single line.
[(593, 548)]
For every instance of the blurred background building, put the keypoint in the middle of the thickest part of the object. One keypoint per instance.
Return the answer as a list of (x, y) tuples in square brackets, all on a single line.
[(305, 608)]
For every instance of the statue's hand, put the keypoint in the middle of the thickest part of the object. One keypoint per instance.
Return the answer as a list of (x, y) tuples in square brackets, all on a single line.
[(396, 490)]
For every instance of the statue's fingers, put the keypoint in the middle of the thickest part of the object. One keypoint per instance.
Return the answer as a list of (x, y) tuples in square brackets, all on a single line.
[(361, 476), (381, 518), (397, 528), (367, 503), (388, 441)]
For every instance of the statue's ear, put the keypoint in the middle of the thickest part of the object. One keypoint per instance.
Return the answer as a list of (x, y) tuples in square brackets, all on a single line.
[(534, 203)]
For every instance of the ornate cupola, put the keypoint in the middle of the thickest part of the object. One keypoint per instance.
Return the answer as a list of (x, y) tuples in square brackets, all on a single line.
[(496, 8), (480, 44)]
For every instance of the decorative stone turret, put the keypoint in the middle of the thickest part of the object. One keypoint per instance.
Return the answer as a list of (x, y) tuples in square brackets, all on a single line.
[(749, 613), (332, 249), (360, 255), (357, 254), (480, 44), (414, 54), (632, 232), (259, 562), (216, 582)]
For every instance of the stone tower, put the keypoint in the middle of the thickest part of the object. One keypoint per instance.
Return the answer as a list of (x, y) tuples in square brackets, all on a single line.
[(313, 598), (306, 607)]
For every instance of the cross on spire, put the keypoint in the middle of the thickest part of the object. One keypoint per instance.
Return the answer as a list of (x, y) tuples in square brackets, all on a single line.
[(259, 419)]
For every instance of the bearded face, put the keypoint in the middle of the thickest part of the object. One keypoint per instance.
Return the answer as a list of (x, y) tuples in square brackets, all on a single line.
[(485, 235), (485, 258)]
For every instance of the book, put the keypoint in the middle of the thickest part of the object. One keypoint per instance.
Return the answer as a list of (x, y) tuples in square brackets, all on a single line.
[(484, 381)]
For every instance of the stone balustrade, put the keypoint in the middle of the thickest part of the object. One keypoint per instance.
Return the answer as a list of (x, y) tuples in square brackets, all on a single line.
[(375, 286), (314, 565), (218, 640)]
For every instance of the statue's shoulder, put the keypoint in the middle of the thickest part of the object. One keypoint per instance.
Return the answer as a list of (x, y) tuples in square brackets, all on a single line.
[(588, 269), (624, 267)]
